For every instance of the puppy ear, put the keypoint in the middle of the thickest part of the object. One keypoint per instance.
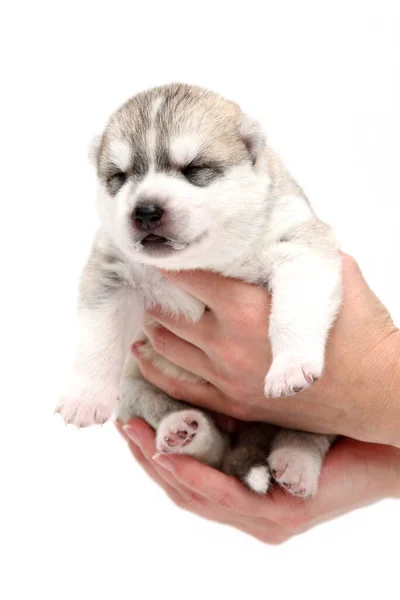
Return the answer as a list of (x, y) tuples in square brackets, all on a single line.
[(252, 136), (93, 150)]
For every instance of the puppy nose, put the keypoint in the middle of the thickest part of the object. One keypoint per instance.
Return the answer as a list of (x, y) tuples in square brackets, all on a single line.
[(148, 216)]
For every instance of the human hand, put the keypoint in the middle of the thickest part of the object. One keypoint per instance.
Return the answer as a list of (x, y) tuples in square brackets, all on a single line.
[(355, 474), (357, 396)]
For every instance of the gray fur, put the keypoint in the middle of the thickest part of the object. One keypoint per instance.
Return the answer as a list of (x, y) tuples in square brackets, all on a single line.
[(229, 206)]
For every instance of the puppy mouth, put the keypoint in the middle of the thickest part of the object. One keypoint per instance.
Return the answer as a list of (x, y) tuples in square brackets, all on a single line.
[(158, 245), (152, 239)]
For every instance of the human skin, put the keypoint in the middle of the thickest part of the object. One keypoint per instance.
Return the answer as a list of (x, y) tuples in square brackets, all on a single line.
[(355, 474), (358, 397)]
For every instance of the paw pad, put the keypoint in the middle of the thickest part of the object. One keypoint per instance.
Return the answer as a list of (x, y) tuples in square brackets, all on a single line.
[(290, 375), (177, 434)]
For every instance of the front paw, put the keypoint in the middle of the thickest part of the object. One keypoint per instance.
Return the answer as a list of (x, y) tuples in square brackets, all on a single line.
[(86, 406), (290, 374)]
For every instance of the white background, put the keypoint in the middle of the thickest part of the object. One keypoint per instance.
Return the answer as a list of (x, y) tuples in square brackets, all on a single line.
[(80, 520)]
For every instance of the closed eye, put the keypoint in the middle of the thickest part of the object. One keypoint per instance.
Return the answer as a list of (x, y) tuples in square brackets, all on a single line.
[(200, 175), (116, 181)]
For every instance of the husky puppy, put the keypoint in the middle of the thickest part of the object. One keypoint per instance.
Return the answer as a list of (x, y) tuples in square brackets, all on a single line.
[(187, 181)]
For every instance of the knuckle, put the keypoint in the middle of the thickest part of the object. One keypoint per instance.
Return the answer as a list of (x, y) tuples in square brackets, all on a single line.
[(278, 539), (242, 411), (195, 501), (350, 264)]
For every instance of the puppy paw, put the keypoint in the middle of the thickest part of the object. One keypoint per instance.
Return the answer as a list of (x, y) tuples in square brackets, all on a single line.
[(190, 432), (290, 374), (296, 469), (177, 431), (86, 406)]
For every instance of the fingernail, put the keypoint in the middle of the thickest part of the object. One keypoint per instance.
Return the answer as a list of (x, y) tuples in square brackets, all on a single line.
[(135, 348), (132, 435), (120, 430), (163, 461)]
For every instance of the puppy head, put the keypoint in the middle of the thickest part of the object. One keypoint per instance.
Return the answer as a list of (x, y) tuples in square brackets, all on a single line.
[(182, 178)]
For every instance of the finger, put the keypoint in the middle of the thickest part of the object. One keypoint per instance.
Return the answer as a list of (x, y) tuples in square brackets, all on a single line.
[(268, 535), (355, 474), (140, 436), (199, 334), (141, 443), (228, 497), (262, 529), (187, 499), (220, 489), (211, 288), (179, 352), (173, 492), (202, 394)]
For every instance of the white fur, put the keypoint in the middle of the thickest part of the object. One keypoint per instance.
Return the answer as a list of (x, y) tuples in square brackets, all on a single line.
[(205, 444), (296, 461), (305, 302), (251, 132), (93, 149), (287, 211), (121, 154), (240, 225), (184, 149), (105, 335), (151, 136), (258, 479), (199, 217)]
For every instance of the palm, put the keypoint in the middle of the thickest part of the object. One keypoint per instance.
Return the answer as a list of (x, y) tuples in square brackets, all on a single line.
[(355, 474)]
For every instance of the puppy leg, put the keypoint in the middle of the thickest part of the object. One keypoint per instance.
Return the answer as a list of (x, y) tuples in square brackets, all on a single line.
[(264, 452), (109, 313), (180, 428), (306, 295), (296, 460)]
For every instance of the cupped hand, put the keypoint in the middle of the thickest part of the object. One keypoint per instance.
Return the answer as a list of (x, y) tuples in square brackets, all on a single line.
[(357, 396), (355, 474)]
